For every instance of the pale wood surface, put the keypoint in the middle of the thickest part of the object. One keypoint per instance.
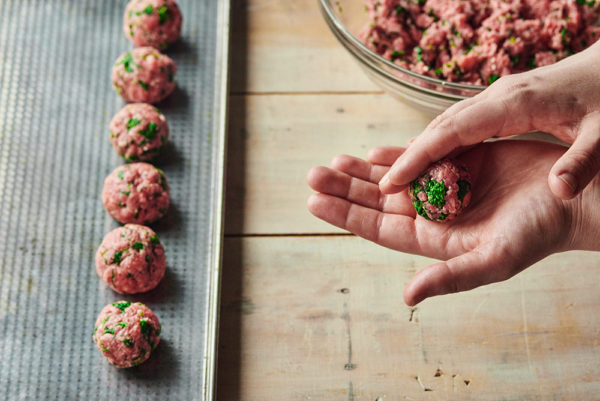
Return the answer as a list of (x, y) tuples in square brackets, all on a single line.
[(323, 319), (309, 313), (274, 140), (285, 46)]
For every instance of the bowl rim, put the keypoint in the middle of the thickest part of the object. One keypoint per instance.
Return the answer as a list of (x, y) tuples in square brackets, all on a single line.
[(327, 7)]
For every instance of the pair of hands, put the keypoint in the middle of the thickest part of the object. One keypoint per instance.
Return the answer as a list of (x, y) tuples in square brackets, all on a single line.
[(530, 199)]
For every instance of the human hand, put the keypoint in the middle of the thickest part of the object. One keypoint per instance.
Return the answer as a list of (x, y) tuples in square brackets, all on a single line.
[(512, 222), (562, 99)]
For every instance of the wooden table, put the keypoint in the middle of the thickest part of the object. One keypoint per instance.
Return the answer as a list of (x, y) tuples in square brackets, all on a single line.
[(312, 313)]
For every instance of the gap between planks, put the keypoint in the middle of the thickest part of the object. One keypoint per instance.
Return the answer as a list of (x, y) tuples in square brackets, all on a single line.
[(288, 235), (303, 93)]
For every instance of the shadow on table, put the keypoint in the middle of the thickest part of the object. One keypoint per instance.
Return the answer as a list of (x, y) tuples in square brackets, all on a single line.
[(230, 344)]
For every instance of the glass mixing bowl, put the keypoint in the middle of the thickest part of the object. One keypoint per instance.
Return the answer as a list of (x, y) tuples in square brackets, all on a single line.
[(346, 18)]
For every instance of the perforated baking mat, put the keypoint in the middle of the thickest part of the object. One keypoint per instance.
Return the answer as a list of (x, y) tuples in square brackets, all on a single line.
[(56, 101)]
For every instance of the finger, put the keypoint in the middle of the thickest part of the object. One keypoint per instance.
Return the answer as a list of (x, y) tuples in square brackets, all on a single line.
[(389, 230), (580, 163), (341, 185), (358, 168), (471, 125), (484, 265), (384, 155)]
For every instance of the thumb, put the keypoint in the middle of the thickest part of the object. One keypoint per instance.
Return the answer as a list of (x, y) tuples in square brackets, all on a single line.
[(580, 164), (490, 263)]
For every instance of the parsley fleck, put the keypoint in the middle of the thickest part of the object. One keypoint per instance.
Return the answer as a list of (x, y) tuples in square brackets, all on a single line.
[(463, 188), (120, 174), (531, 63), (128, 342), (138, 246), (122, 305), (148, 10), (419, 51), (132, 123), (418, 205), (104, 320), (435, 193), (117, 257), (145, 327), (122, 324), (127, 62), (493, 78), (109, 331), (163, 14), (149, 132), (144, 85)]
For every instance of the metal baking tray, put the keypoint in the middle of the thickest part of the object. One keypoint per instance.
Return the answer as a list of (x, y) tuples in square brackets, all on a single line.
[(56, 101)]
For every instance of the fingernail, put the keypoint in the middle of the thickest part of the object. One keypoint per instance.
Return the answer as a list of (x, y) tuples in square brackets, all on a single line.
[(385, 179), (568, 179)]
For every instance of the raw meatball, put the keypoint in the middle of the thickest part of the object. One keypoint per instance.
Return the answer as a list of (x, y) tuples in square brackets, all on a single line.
[(139, 132), (155, 23), (442, 192), (136, 193), (144, 75), (131, 259), (126, 333)]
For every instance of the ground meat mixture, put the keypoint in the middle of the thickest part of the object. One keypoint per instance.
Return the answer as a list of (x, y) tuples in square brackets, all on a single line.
[(126, 333), (131, 259), (475, 41), (136, 193), (139, 132), (155, 23), (442, 192), (144, 75)]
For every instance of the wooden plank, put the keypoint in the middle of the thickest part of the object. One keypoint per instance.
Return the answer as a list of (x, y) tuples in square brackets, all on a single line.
[(286, 46), (323, 319), (275, 140)]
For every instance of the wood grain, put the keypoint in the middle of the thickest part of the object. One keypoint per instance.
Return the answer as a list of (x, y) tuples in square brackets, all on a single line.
[(303, 322), (275, 140), (285, 46)]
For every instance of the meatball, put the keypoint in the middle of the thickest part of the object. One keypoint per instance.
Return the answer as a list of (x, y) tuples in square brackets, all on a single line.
[(139, 132), (155, 23), (442, 192), (131, 259), (126, 333), (144, 75), (136, 193)]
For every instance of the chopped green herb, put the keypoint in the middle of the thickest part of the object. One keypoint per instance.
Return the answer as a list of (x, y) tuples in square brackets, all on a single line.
[(138, 246), (117, 257), (418, 205), (95, 329), (127, 62), (400, 10), (122, 324), (126, 193), (120, 174), (144, 85), (128, 342), (150, 131), (419, 51), (132, 123), (131, 158), (163, 14), (515, 59), (493, 78), (435, 193), (145, 327), (512, 39), (463, 188), (148, 10), (122, 305), (531, 63), (442, 217), (105, 319), (439, 71), (397, 54), (109, 331)]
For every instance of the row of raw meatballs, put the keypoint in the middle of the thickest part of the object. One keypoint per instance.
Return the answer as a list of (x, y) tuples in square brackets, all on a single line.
[(131, 258)]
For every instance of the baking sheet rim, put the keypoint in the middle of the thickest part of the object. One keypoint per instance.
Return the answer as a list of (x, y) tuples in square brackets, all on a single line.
[(218, 190)]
